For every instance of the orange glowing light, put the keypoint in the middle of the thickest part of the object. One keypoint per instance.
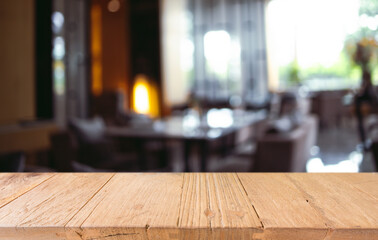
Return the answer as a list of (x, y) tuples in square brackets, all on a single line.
[(96, 49), (145, 97)]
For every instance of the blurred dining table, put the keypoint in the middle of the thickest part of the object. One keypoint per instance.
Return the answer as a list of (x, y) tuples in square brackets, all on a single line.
[(191, 129)]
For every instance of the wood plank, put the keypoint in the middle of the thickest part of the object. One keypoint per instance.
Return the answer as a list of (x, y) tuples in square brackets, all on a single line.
[(132, 206), (14, 185), (348, 212), (214, 205), (43, 212), (200, 206), (364, 182), (149, 206), (283, 210)]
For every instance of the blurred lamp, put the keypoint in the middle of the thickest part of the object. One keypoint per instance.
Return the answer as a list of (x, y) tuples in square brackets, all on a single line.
[(145, 97), (114, 5)]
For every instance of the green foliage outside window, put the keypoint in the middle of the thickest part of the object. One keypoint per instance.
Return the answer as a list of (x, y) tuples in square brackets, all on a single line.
[(344, 73)]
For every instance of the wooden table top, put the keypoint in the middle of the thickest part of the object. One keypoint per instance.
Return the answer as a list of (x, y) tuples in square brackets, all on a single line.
[(108, 206)]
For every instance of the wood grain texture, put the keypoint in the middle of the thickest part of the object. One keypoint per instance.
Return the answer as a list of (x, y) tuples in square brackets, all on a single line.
[(214, 205), (49, 206), (283, 210), (364, 182), (14, 185), (149, 206), (347, 211)]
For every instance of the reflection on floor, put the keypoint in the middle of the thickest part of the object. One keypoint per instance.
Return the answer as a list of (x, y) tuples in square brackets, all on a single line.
[(352, 164), (338, 151)]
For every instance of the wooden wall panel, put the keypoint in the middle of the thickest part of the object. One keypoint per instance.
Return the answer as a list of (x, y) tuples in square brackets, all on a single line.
[(16, 60), (114, 44)]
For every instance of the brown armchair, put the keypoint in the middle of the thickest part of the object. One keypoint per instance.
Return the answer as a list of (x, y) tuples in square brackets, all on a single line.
[(287, 152), (278, 152)]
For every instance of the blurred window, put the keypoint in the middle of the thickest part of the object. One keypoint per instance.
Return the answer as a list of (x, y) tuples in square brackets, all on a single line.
[(222, 56), (309, 41), (58, 53), (221, 50)]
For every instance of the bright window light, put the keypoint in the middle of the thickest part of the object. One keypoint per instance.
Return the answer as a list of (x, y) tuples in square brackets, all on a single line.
[(187, 50), (57, 21), (59, 48), (310, 35), (217, 50), (221, 118)]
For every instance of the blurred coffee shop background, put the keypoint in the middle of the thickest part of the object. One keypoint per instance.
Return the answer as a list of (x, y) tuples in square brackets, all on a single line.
[(189, 85)]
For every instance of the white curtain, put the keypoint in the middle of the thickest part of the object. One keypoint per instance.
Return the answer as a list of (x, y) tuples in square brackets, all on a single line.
[(229, 49)]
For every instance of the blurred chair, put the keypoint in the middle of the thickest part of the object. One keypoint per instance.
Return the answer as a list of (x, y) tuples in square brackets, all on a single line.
[(96, 150), (282, 143), (277, 152), (288, 151), (374, 149), (64, 152), (12, 162), (329, 107), (110, 107), (372, 130)]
